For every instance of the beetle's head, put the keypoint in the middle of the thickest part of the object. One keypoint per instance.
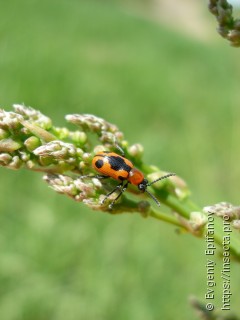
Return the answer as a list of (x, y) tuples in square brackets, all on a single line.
[(142, 186)]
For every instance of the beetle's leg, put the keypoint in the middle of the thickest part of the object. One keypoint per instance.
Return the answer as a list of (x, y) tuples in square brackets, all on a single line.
[(97, 176), (119, 186), (124, 187)]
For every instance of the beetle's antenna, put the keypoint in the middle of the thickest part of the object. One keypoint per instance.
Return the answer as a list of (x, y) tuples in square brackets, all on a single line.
[(161, 178), (149, 184), (153, 197)]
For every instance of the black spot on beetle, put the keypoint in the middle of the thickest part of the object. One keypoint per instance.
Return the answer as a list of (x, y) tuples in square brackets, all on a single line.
[(99, 163), (118, 163)]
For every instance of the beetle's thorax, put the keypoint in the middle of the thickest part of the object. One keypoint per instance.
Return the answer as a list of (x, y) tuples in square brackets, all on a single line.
[(135, 176)]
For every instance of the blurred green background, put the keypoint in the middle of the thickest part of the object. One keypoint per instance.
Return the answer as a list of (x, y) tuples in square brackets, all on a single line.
[(175, 92)]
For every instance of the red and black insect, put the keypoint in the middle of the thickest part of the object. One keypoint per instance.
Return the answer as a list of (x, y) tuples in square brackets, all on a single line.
[(112, 165)]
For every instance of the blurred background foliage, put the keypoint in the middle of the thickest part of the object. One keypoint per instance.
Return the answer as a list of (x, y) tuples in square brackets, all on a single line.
[(166, 78)]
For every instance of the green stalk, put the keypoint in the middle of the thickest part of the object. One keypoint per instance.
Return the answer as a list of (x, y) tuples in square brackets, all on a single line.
[(154, 213)]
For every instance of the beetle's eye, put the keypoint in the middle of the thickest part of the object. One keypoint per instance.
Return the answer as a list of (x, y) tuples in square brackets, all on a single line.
[(141, 187)]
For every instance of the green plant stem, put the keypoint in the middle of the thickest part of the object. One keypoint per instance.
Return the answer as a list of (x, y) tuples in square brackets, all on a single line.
[(177, 206), (164, 217), (183, 208)]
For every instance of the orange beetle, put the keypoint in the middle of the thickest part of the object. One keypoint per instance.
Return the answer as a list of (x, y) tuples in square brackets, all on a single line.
[(112, 165)]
